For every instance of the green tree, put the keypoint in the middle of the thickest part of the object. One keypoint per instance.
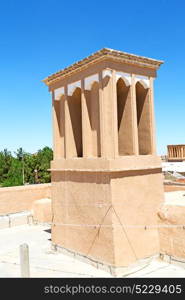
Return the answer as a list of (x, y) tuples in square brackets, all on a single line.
[(20, 157), (5, 163), (20, 154), (44, 156), (14, 176), (24, 167)]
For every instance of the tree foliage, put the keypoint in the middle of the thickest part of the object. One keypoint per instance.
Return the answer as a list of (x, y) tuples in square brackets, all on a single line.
[(25, 168)]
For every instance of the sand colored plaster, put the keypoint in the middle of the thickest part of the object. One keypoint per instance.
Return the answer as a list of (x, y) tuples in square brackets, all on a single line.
[(42, 212), (21, 198), (171, 218), (106, 176)]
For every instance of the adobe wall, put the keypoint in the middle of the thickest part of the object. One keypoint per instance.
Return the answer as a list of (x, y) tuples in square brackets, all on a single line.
[(125, 204), (80, 202), (171, 220), (135, 201), (21, 198)]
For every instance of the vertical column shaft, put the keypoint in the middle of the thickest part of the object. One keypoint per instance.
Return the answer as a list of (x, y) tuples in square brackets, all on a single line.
[(181, 151), (114, 114), (86, 125), (108, 116), (152, 118), (62, 126), (102, 117), (134, 117), (170, 152), (70, 147), (58, 130)]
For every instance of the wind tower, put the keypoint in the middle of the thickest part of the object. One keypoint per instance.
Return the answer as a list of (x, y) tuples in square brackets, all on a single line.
[(106, 175)]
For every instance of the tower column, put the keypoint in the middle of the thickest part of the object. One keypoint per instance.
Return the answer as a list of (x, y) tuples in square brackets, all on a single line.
[(134, 117), (70, 148), (58, 128), (86, 125), (152, 118), (102, 117), (171, 152), (114, 114), (182, 152), (108, 115)]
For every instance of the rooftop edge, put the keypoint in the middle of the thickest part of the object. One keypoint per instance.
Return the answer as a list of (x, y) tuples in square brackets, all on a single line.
[(102, 54)]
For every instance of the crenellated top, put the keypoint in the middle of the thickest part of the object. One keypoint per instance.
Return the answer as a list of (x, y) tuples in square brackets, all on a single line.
[(102, 55)]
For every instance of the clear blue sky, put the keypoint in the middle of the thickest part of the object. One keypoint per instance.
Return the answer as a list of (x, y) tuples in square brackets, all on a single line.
[(40, 37)]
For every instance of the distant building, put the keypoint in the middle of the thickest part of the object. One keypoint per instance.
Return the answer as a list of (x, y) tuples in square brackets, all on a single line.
[(176, 152)]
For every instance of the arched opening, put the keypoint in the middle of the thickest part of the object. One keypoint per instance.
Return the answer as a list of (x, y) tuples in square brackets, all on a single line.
[(125, 140), (74, 104), (143, 119)]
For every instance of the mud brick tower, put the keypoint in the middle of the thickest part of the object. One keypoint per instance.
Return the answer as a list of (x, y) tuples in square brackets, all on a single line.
[(106, 176)]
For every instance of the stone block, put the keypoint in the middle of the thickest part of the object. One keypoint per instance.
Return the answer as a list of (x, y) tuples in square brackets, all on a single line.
[(172, 225), (19, 218), (42, 212)]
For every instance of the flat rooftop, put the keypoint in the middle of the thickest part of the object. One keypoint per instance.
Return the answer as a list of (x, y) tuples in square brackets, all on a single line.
[(46, 263)]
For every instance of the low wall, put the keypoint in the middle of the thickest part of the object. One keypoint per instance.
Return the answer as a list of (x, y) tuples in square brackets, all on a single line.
[(21, 198), (172, 225)]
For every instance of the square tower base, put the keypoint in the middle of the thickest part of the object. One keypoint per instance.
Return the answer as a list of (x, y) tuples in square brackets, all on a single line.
[(108, 217)]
